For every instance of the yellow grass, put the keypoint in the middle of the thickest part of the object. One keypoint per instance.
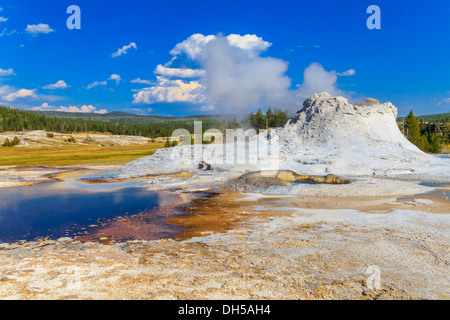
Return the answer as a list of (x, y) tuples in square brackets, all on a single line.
[(75, 155)]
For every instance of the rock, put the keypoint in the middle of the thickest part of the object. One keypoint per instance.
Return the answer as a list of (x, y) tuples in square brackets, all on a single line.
[(204, 166), (264, 179), (287, 175), (258, 180), (368, 102)]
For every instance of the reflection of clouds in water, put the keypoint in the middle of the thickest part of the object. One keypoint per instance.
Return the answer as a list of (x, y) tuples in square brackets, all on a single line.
[(97, 187), (118, 198), (12, 198), (166, 199)]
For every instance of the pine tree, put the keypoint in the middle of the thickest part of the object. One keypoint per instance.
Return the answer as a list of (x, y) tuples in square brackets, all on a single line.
[(434, 144), (279, 118), (15, 142), (269, 118), (413, 131), (260, 120), (7, 143), (167, 144)]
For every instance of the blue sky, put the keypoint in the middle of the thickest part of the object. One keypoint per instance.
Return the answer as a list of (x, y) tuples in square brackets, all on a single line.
[(278, 53)]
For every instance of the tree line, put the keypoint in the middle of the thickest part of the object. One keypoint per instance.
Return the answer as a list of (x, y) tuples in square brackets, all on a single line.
[(419, 135), (271, 119), (13, 119)]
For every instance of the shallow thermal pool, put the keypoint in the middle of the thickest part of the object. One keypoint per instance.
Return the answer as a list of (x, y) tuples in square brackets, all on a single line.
[(72, 208)]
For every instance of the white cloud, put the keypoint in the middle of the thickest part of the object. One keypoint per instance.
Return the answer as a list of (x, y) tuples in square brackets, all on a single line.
[(21, 94), (10, 94), (444, 102), (124, 50), (115, 77), (7, 72), (95, 84), (166, 90), (5, 32), (5, 90), (178, 72), (38, 28), (140, 81), (195, 44), (350, 72), (82, 109), (192, 46), (61, 84), (140, 111), (3, 19), (208, 108), (249, 42)]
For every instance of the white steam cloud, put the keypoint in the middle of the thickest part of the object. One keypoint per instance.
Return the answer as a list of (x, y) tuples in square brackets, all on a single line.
[(316, 80), (238, 80)]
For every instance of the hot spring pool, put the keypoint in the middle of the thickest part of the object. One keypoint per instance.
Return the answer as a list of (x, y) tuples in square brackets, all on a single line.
[(77, 209)]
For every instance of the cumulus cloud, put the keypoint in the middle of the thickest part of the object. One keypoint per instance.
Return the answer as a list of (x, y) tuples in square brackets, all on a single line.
[(124, 50), (11, 94), (350, 72), (3, 19), (192, 46), (165, 90), (82, 109), (178, 72), (195, 44), (7, 72), (115, 77), (316, 80), (95, 84), (21, 94), (38, 28), (251, 43), (61, 84)]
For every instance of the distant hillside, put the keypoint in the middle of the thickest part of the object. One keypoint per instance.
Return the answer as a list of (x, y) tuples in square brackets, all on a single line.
[(126, 115), (430, 118)]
